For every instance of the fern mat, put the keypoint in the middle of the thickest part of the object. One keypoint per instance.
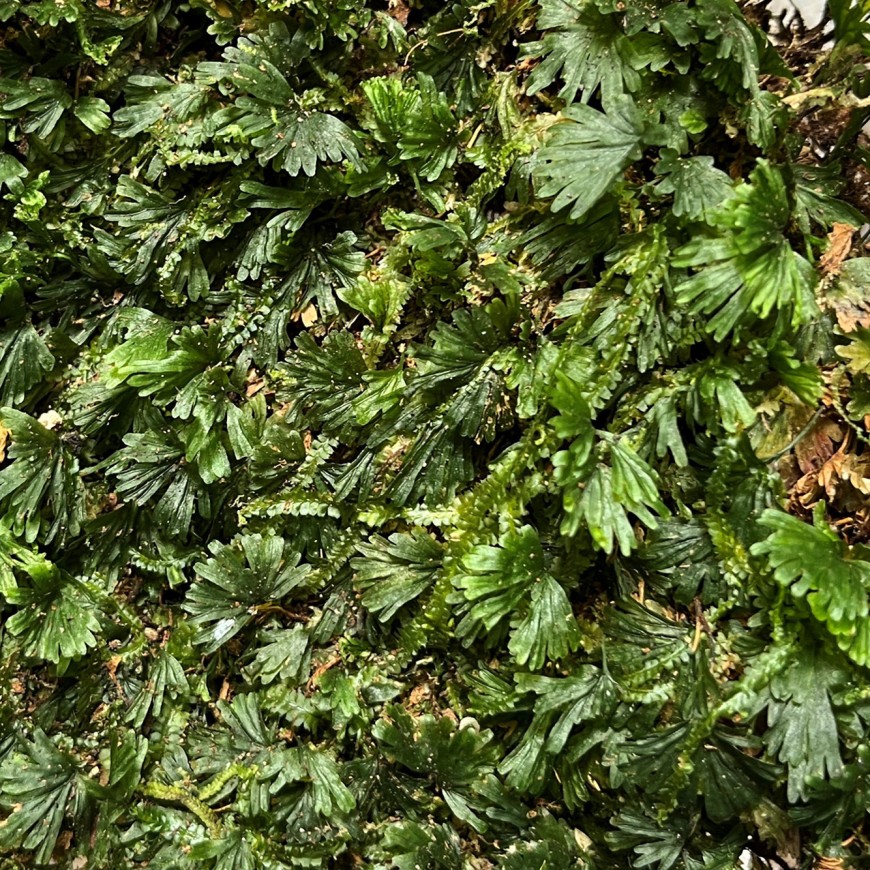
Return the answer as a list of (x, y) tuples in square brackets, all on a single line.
[(433, 435)]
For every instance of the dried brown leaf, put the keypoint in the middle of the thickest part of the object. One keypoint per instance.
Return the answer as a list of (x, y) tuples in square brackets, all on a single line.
[(400, 11), (839, 245), (817, 446)]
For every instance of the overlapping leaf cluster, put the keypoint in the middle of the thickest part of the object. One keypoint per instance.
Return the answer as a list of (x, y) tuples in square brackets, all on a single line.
[(432, 435)]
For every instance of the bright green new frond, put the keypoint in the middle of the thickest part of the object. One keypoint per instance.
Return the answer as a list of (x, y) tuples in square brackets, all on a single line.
[(814, 563), (751, 269)]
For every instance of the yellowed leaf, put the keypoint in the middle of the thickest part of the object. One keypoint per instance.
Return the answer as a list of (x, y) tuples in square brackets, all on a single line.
[(50, 419), (309, 316), (807, 99)]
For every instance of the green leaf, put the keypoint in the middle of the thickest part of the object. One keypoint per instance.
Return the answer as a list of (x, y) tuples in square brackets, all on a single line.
[(152, 99), (551, 843), (93, 113), (24, 361), (428, 131), (40, 101), (732, 51), (511, 581), (558, 246), (750, 270), (414, 845), (816, 191), (122, 768), (802, 727), (392, 102), (165, 676), (814, 563), (380, 301), (11, 173), (41, 488), (586, 49), (56, 619), (586, 152), (331, 795), (15, 557), (326, 379), (857, 352), (253, 572), (151, 467), (583, 697), (319, 271), (164, 239), (682, 554), (37, 783), (455, 758), (283, 655), (231, 852), (656, 845), (383, 390), (716, 389), (394, 571), (268, 114), (549, 630), (699, 189), (627, 485)]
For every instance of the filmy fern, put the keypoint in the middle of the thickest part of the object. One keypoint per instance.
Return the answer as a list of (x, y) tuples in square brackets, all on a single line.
[(433, 435)]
